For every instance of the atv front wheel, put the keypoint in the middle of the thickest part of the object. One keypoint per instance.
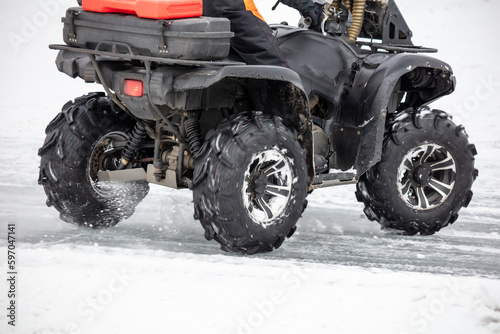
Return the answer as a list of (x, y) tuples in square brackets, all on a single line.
[(250, 183), (80, 142), (424, 177)]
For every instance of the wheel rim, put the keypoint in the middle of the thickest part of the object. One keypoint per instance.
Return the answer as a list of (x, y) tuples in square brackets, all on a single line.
[(426, 176), (267, 186), (103, 152)]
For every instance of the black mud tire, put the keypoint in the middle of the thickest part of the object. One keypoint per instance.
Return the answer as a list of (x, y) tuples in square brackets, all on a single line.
[(235, 185), (66, 173), (424, 177)]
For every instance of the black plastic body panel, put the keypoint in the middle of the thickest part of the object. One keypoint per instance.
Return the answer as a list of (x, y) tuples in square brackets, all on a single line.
[(360, 88), (323, 62)]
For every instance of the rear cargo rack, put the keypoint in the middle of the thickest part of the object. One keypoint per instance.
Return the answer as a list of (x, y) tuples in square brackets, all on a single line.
[(123, 51)]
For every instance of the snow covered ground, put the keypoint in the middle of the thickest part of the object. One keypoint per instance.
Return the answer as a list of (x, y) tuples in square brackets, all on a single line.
[(155, 273)]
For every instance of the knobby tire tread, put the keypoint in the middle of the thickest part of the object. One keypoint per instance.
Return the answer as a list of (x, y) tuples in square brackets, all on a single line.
[(70, 137), (213, 160), (375, 183)]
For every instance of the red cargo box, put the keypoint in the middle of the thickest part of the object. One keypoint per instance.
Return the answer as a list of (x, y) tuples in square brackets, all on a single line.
[(151, 9)]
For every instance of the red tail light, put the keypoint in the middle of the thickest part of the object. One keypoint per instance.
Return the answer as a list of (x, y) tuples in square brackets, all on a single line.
[(133, 88)]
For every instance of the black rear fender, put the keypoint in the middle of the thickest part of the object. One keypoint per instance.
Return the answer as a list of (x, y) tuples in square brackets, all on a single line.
[(270, 89)]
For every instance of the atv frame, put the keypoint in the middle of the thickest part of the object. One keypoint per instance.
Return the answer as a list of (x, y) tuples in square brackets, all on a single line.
[(342, 114)]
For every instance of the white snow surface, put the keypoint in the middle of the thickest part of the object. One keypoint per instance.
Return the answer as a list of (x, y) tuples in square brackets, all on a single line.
[(155, 273)]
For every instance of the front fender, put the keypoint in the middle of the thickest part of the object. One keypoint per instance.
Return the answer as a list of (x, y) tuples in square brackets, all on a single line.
[(376, 90)]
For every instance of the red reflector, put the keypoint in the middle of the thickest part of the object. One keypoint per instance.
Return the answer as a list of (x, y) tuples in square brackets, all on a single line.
[(133, 88)]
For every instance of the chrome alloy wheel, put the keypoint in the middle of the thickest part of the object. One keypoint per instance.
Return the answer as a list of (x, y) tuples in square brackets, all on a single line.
[(267, 186), (104, 156), (426, 176)]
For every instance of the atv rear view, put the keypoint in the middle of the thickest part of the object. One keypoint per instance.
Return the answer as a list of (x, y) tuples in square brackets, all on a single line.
[(252, 141)]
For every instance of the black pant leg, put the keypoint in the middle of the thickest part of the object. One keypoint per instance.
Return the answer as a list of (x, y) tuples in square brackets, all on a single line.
[(254, 40)]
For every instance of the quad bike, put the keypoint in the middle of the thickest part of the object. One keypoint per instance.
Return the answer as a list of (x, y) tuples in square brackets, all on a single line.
[(252, 141)]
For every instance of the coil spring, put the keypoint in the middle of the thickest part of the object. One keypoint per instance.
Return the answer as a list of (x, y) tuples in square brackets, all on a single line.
[(336, 4), (193, 133), (134, 143), (348, 5), (358, 15)]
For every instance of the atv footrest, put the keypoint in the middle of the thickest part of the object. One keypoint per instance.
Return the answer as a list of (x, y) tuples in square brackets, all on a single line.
[(334, 179), (125, 175)]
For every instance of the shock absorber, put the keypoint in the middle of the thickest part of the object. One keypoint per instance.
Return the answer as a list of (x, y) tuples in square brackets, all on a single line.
[(134, 143), (348, 5), (358, 15), (193, 133)]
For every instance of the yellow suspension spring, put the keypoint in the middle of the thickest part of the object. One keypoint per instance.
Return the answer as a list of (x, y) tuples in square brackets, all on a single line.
[(357, 7), (358, 16), (348, 5), (336, 4)]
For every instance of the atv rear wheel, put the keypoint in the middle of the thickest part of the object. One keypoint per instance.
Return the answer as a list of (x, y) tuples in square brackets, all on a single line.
[(250, 183), (78, 145), (424, 177)]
